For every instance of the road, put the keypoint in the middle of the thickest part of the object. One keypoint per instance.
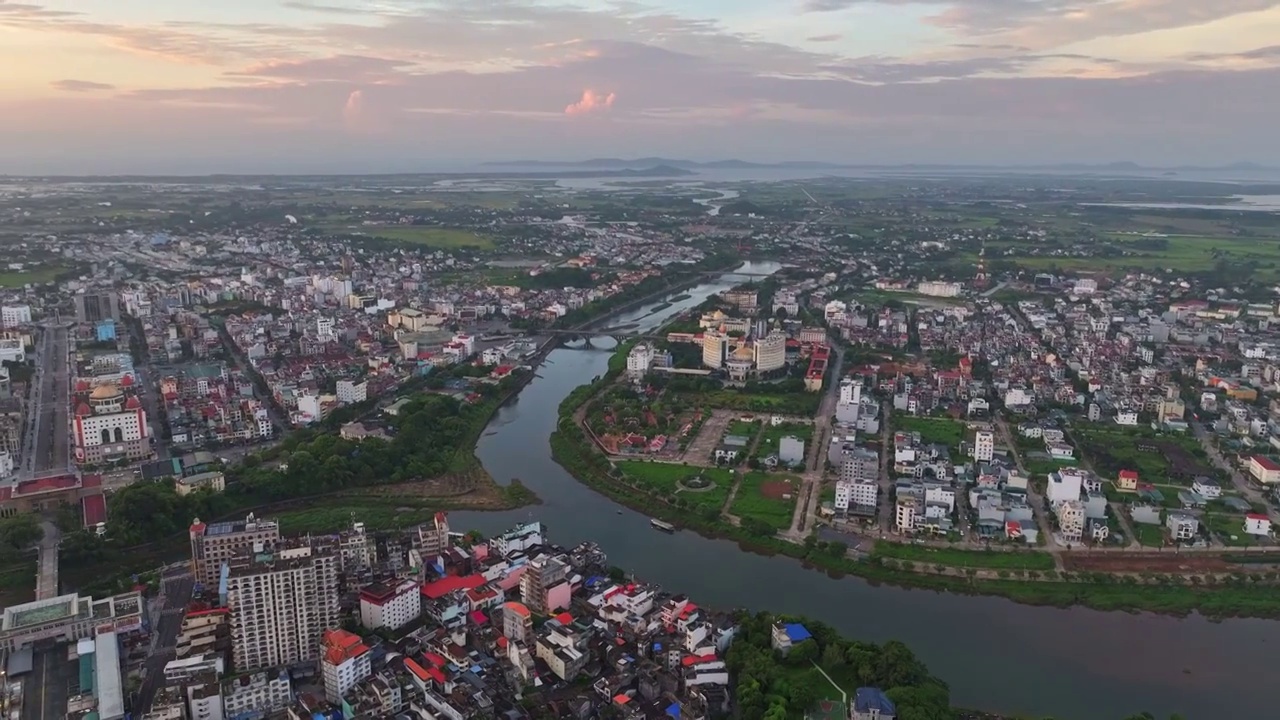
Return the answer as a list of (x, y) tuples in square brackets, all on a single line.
[(810, 495), (47, 564), (1033, 495), (46, 689), (166, 620), (1246, 488), (47, 443), (149, 392)]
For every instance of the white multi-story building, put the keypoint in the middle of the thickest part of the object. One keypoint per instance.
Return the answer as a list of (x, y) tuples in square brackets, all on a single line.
[(324, 328), (855, 495), (108, 427), (850, 392), (1086, 286), (984, 446), (1257, 524), (14, 315), (390, 605), (214, 545), (257, 695), (938, 288), (350, 391), (940, 495), (6, 464), (771, 351), (205, 700), (1065, 486), (281, 603), (1264, 469), (905, 514), (1071, 517), (713, 349), (344, 662), (639, 360)]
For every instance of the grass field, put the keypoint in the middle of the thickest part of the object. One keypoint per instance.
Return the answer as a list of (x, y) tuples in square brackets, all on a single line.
[(753, 502), (1184, 253), (37, 275), (933, 430), (420, 235), (786, 404), (1229, 529), (1149, 535), (999, 560), (773, 434), (1111, 450), (666, 477)]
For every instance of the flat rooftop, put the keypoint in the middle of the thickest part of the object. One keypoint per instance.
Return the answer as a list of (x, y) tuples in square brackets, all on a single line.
[(41, 612)]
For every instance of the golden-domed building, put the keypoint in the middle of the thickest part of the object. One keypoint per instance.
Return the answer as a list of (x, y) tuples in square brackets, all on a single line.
[(110, 424)]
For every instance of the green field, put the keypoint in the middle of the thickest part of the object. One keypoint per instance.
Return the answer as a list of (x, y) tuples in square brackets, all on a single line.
[(773, 434), (991, 559), (1110, 450), (37, 275), (666, 477), (932, 430), (1225, 526), (420, 235), (784, 404), (751, 502), (1149, 535)]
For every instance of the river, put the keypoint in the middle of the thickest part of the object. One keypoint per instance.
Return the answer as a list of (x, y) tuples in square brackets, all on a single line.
[(1072, 664)]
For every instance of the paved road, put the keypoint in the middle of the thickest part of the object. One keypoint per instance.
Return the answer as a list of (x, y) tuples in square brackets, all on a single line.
[(810, 495), (1033, 495), (1242, 483), (47, 445), (166, 619), (46, 689), (47, 566)]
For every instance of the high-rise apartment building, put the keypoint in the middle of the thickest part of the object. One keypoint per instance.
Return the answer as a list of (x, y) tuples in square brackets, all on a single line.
[(281, 603), (544, 587), (94, 306), (213, 545)]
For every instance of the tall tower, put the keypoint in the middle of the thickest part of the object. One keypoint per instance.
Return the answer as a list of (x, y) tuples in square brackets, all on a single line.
[(980, 280)]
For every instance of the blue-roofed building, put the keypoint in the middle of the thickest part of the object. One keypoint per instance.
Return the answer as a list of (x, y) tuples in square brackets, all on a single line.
[(106, 330), (871, 704), (787, 634)]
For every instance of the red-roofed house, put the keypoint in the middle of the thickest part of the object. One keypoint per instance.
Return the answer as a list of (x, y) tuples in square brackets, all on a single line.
[(1127, 481), (344, 662), (1257, 524)]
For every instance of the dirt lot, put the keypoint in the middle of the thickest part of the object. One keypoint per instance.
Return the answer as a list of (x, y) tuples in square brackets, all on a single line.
[(1163, 562), (776, 490)]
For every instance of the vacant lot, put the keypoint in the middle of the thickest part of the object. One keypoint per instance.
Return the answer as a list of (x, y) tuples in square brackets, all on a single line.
[(1157, 459), (420, 235), (991, 559), (34, 276), (773, 434), (761, 498), (1163, 562), (933, 430), (672, 479)]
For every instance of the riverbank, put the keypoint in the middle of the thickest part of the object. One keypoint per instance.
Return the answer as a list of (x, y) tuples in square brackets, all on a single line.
[(1020, 579)]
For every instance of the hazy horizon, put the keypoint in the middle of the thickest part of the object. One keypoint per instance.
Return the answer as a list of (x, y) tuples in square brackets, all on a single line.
[(355, 86)]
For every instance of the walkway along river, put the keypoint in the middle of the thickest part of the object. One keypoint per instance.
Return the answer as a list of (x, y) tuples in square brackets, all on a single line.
[(1072, 664)]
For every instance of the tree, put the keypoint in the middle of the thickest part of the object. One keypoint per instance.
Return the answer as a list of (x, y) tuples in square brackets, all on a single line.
[(803, 653)]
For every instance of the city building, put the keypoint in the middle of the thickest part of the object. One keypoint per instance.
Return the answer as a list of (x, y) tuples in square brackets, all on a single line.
[(1257, 524), (1182, 526), (214, 545), (984, 446), (857, 498), (1071, 518), (344, 662), (390, 605), (1264, 469), (791, 451), (109, 426), (714, 347), (281, 603), (257, 695), (94, 306), (67, 618), (936, 288), (639, 360), (771, 352), (905, 514), (517, 622), (14, 315), (860, 465), (544, 586), (350, 391), (433, 538)]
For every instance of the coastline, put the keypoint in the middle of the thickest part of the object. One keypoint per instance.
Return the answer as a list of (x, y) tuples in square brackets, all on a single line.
[(1240, 596)]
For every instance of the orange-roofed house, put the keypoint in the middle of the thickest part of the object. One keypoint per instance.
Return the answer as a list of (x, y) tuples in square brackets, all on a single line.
[(344, 661), (517, 622)]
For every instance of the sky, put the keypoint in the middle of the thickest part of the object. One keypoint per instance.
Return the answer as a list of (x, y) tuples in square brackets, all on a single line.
[(258, 86)]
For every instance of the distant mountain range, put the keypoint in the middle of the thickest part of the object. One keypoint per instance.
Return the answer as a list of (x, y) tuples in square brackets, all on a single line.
[(655, 163)]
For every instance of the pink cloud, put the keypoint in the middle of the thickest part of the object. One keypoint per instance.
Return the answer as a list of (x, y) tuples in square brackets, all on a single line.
[(353, 111), (591, 102)]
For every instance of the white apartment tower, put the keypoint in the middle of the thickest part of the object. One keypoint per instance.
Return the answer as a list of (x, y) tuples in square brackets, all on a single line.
[(281, 603), (984, 446)]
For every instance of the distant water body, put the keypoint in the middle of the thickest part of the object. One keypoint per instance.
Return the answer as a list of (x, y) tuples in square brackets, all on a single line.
[(1252, 203)]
